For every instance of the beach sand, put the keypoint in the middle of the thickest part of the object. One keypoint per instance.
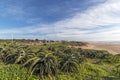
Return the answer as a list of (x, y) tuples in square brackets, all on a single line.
[(111, 48)]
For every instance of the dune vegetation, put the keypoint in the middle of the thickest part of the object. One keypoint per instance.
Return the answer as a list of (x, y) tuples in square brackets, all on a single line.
[(55, 60)]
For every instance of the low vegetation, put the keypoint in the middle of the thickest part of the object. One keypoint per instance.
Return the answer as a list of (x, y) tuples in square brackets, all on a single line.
[(50, 60)]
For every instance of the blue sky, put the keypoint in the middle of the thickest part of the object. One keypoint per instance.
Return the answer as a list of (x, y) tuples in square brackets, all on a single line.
[(83, 20)]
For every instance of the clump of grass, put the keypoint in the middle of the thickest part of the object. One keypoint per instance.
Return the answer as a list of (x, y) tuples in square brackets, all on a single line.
[(14, 72)]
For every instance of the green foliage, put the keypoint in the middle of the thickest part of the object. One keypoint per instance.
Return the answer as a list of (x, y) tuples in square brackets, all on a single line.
[(15, 72), (69, 63), (45, 64), (56, 61), (112, 59)]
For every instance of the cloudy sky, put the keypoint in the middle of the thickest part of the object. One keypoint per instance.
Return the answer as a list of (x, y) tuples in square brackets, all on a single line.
[(83, 20)]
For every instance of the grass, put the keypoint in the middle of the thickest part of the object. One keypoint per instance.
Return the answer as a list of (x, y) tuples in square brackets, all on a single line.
[(15, 72)]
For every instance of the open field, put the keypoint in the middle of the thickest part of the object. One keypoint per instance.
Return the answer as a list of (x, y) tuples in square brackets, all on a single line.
[(111, 48)]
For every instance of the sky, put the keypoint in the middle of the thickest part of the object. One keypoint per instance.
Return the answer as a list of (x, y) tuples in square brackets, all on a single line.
[(78, 20)]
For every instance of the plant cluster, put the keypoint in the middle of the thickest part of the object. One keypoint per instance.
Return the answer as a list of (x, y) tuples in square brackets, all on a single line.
[(61, 62)]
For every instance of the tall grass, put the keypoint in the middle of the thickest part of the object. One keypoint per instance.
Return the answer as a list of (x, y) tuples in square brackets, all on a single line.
[(15, 72)]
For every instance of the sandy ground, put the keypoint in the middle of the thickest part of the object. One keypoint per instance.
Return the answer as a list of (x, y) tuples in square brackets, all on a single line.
[(111, 48)]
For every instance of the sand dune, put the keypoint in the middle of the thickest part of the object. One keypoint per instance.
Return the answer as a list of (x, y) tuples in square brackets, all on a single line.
[(111, 48)]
